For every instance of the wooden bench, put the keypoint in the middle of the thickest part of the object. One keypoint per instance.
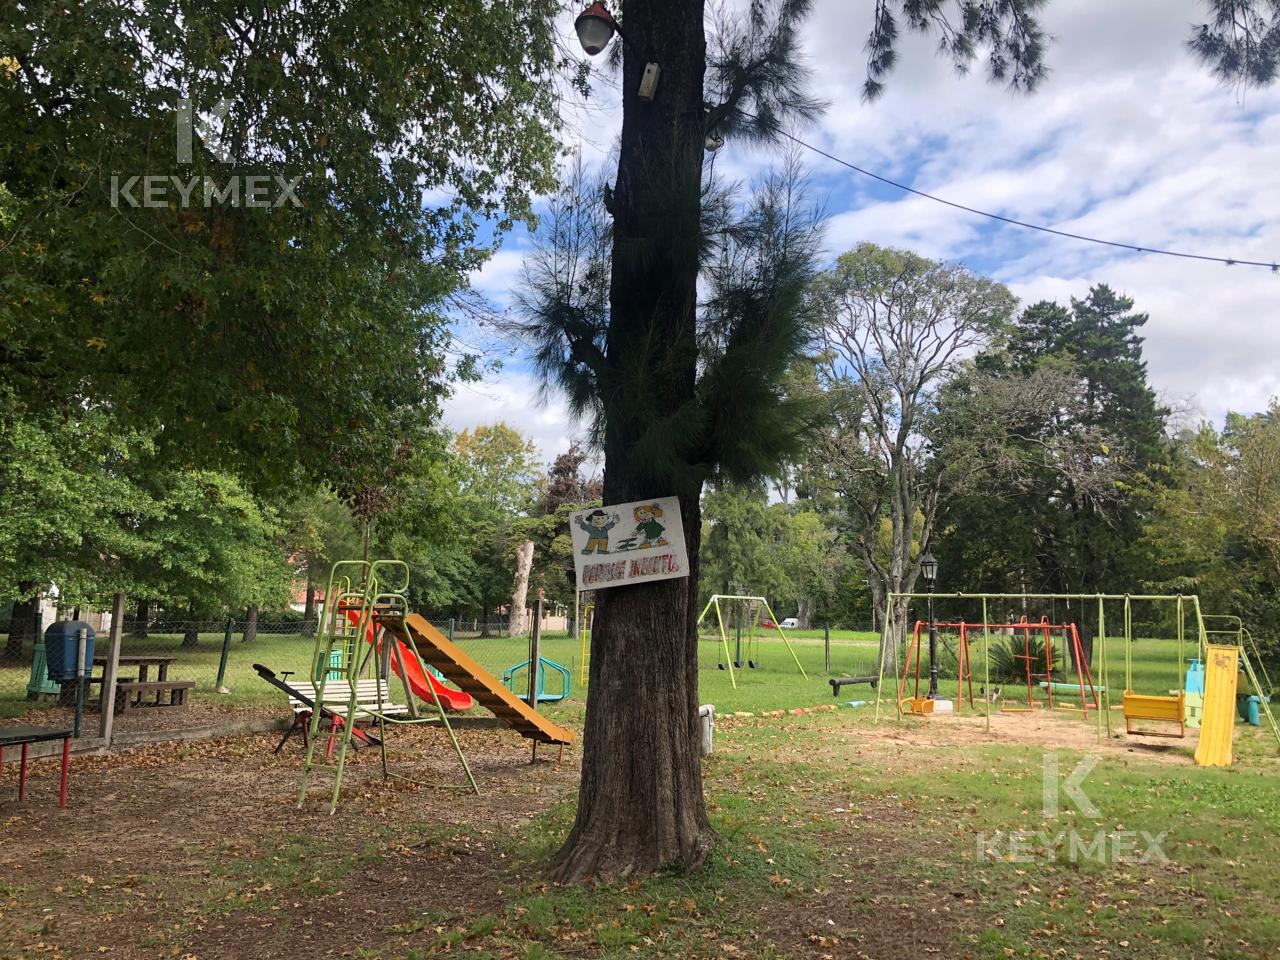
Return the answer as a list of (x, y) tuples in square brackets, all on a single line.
[(131, 694), (337, 699), (837, 682)]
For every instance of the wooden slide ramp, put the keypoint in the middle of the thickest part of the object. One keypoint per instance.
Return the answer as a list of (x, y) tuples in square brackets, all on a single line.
[(463, 672)]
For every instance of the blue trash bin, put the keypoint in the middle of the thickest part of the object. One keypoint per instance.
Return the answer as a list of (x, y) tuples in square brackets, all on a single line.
[(61, 647)]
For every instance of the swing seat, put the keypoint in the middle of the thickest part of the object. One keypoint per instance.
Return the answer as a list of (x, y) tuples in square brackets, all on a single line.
[(915, 707), (1158, 709)]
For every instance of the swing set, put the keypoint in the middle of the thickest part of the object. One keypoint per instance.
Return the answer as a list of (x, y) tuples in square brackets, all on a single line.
[(1164, 707), (917, 705), (748, 611)]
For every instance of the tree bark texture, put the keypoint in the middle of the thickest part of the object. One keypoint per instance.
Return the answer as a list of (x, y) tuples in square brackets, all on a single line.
[(22, 628), (309, 610), (141, 617), (640, 803), (251, 624), (191, 632), (804, 613), (518, 620)]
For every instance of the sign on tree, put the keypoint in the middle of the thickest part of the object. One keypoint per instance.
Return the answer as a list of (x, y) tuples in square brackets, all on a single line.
[(626, 543)]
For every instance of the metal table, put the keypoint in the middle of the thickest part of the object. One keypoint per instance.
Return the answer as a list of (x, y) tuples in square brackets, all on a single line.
[(24, 736)]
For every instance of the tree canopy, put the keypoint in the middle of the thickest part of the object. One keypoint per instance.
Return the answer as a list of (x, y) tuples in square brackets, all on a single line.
[(300, 335)]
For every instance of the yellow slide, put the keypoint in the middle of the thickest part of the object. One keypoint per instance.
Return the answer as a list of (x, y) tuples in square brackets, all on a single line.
[(1218, 723), (437, 650)]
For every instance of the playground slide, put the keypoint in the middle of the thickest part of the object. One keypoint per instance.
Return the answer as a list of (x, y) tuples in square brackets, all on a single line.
[(459, 668), (1218, 720), (419, 682)]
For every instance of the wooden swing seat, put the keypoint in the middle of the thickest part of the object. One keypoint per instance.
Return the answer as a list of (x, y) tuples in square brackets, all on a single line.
[(1159, 709)]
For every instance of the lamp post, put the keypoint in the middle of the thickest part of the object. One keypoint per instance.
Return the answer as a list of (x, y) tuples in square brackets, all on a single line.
[(596, 26), (929, 570)]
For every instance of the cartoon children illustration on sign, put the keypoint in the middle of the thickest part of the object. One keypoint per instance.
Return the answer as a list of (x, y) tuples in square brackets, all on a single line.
[(648, 529), (598, 524)]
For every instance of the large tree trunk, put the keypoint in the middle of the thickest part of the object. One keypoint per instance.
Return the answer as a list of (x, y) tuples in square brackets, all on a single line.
[(518, 620), (804, 613), (22, 628), (191, 630), (640, 804), (309, 610), (141, 617), (251, 624)]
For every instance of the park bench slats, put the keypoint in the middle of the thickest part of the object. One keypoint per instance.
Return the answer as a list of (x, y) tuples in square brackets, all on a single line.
[(337, 696), (130, 694), (336, 699)]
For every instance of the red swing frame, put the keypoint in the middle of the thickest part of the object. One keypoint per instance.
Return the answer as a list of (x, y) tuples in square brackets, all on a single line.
[(964, 669)]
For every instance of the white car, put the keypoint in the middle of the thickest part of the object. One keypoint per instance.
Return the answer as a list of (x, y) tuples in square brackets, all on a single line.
[(790, 623)]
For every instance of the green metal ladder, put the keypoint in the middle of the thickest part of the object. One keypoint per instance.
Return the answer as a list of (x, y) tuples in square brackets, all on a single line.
[(338, 642)]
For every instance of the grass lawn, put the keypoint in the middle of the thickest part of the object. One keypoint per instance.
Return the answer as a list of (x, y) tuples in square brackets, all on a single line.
[(838, 838), (776, 684)]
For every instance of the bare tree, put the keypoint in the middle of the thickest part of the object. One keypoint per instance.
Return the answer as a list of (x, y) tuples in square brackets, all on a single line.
[(518, 619), (917, 420), (894, 329)]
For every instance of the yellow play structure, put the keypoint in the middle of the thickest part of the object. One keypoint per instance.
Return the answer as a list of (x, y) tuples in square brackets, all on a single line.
[(584, 636), (1218, 724)]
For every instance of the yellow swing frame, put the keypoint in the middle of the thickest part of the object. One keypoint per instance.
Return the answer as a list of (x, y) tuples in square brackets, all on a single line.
[(1157, 708), (715, 600)]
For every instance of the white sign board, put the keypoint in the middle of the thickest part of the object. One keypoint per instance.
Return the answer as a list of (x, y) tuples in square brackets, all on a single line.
[(626, 543)]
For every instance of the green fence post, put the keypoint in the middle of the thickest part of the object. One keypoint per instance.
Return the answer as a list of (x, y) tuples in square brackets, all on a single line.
[(226, 651), (826, 644), (451, 623)]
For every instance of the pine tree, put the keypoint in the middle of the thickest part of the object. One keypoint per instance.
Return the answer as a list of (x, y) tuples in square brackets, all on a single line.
[(1048, 530), (678, 392)]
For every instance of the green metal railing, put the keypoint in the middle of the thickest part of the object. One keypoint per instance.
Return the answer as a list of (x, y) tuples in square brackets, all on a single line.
[(374, 592)]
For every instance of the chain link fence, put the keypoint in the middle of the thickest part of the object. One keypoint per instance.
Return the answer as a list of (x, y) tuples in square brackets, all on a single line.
[(183, 674)]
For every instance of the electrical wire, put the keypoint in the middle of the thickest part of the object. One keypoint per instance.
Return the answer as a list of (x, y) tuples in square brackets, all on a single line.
[(1227, 261)]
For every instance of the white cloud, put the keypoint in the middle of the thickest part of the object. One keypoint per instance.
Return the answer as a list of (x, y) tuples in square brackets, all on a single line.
[(1129, 139), (500, 275), (512, 397)]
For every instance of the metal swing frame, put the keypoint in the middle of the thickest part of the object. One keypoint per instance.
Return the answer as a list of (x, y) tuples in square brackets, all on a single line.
[(715, 601)]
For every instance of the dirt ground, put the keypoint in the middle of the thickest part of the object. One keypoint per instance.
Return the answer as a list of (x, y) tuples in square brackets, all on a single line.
[(1060, 729), (130, 870), (146, 861)]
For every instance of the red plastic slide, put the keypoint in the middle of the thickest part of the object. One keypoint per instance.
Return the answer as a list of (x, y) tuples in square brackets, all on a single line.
[(419, 682)]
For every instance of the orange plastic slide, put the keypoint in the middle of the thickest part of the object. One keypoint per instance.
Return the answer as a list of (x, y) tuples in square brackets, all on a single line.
[(419, 682)]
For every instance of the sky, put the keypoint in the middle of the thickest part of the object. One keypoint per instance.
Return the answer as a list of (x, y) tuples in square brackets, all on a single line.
[(1129, 139)]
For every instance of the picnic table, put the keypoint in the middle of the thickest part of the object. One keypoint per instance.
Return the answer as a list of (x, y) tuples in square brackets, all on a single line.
[(132, 693), (143, 661), (24, 736)]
